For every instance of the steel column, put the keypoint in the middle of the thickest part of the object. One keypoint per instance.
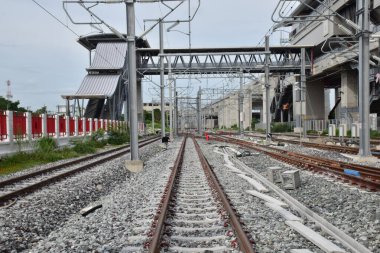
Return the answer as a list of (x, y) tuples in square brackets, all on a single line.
[(199, 111), (267, 86), (152, 115), (303, 90), (175, 116), (241, 101), (132, 80), (162, 78), (170, 109), (362, 8)]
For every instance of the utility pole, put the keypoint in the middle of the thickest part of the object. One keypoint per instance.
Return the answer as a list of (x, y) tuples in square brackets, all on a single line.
[(170, 106), (199, 110), (241, 101), (132, 80), (175, 116), (363, 18), (162, 77), (152, 115), (267, 87), (302, 89)]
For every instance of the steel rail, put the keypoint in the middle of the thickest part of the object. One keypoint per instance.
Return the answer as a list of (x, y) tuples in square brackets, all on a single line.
[(326, 226), (371, 181), (367, 171), (374, 141), (244, 242), (158, 225), (62, 165), (33, 187), (340, 149)]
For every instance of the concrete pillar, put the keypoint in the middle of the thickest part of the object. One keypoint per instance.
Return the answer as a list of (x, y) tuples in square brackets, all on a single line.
[(247, 109), (328, 103), (10, 126), (56, 118), (140, 103), (84, 126), (96, 125), (102, 124), (349, 95), (67, 122), (90, 125), (76, 126), (44, 125), (29, 135), (272, 83)]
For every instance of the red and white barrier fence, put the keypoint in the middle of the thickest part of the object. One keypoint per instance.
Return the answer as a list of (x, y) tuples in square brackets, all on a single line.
[(28, 126)]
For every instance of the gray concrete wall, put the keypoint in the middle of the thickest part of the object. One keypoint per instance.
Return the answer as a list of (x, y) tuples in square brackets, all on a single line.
[(314, 33), (315, 101)]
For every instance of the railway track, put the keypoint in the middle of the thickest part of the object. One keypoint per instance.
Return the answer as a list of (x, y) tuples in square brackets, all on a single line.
[(15, 187), (369, 176), (194, 214), (339, 149), (305, 214)]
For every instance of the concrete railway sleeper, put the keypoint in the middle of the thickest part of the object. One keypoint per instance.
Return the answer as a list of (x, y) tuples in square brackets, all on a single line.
[(22, 185), (195, 214), (369, 177)]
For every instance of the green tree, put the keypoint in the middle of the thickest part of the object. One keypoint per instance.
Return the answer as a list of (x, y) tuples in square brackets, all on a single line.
[(157, 115), (42, 110), (12, 106)]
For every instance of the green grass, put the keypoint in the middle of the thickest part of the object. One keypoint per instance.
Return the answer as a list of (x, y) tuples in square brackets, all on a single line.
[(23, 160), (46, 151)]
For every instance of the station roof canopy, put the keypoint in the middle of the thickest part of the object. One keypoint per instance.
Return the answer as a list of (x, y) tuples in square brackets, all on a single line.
[(91, 41), (96, 86), (109, 56)]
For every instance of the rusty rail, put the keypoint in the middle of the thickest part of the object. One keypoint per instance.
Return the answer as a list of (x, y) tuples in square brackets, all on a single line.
[(369, 179), (158, 225), (244, 242), (33, 187), (340, 149)]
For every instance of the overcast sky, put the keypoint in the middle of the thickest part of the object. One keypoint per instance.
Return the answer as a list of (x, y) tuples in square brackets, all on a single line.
[(43, 60)]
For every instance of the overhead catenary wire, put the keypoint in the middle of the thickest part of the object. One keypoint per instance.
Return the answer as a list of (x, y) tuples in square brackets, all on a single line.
[(270, 30), (55, 17)]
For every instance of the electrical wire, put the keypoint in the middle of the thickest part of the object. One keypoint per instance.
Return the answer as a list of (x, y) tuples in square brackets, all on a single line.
[(71, 30), (270, 30), (56, 18)]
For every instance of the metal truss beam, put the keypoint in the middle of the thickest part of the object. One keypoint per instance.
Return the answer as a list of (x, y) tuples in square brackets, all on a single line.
[(225, 61)]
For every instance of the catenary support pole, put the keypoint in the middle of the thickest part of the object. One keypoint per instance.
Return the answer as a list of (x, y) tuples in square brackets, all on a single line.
[(170, 104), (162, 78), (363, 18), (241, 101), (153, 115), (175, 116), (303, 90), (267, 104), (199, 111), (132, 79)]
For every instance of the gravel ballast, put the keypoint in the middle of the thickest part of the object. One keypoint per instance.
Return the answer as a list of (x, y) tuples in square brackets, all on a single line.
[(112, 227), (35, 216), (352, 210), (268, 229)]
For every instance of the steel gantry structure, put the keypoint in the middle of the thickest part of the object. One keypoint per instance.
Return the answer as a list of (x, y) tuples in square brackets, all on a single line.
[(185, 62), (234, 62)]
